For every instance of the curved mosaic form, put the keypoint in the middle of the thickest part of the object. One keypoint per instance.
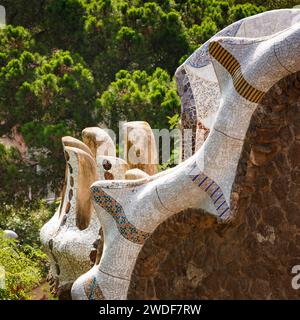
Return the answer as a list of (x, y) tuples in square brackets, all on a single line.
[(99, 142), (69, 235), (266, 202), (126, 229), (140, 146), (198, 86), (203, 181), (72, 237)]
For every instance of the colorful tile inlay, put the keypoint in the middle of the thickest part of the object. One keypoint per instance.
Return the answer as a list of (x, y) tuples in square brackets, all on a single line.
[(215, 193), (127, 229), (92, 290), (229, 62)]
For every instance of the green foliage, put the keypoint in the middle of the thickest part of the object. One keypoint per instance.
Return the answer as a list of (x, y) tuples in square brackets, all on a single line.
[(139, 95), (25, 13), (13, 41), (27, 220), (51, 88), (66, 15), (124, 36), (113, 35), (241, 11), (277, 4), (47, 97), (272, 4), (16, 177), (174, 121), (133, 35), (163, 37), (200, 34), (24, 267)]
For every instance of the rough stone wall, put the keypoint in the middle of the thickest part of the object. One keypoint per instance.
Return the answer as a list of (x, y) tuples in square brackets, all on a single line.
[(192, 256)]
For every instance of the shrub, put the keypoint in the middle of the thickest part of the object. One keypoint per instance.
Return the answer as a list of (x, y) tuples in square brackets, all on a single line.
[(24, 267), (200, 34), (139, 95), (241, 11), (26, 221)]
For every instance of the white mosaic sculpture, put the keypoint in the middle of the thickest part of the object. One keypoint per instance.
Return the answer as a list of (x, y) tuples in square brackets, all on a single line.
[(199, 79), (140, 155), (111, 168), (100, 143), (221, 84), (69, 236), (140, 147)]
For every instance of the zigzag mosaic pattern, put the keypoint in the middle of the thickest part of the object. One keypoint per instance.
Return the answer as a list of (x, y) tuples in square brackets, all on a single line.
[(215, 193), (127, 229), (229, 62)]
